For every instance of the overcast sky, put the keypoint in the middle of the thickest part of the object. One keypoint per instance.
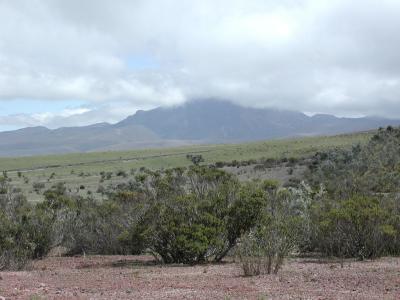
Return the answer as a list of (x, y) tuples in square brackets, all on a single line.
[(77, 62)]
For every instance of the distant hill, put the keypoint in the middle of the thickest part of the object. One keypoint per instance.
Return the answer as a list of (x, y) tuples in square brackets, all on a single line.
[(207, 121), (97, 137)]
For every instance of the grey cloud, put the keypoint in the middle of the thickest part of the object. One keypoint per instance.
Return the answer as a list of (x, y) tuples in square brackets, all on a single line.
[(337, 56), (79, 116), (17, 120)]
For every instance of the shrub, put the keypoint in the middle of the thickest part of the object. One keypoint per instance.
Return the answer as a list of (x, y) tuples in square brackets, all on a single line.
[(263, 250), (122, 173), (197, 216), (220, 164), (195, 159), (24, 234), (356, 227), (15, 247), (40, 231), (38, 186), (252, 255), (83, 225), (4, 187)]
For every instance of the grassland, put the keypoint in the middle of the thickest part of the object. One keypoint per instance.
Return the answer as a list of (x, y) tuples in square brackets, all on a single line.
[(83, 169)]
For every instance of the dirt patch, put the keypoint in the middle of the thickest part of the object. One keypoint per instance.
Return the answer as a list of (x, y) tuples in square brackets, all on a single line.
[(138, 277)]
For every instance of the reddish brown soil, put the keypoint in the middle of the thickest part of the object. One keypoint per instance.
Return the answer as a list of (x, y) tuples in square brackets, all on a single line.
[(136, 277)]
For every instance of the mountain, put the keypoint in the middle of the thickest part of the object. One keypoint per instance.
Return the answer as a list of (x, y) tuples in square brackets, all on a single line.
[(216, 121), (221, 121), (97, 137), (207, 121)]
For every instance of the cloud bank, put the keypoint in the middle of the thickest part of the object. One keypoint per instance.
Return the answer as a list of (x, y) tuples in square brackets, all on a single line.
[(339, 57)]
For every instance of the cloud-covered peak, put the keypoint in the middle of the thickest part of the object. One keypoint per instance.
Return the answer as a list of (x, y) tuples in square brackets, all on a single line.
[(338, 57)]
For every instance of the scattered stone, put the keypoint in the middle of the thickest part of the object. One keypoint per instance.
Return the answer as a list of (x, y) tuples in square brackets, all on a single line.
[(298, 279)]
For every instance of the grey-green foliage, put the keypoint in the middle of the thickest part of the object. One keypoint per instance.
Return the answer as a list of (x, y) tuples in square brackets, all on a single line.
[(84, 225), (369, 169), (24, 231), (359, 214), (277, 234), (197, 215), (356, 227), (180, 215)]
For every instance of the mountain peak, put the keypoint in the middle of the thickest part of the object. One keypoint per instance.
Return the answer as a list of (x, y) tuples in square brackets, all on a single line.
[(216, 120)]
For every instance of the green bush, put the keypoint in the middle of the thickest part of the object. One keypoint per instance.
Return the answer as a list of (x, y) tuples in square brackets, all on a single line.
[(15, 247), (24, 233), (197, 216), (357, 227)]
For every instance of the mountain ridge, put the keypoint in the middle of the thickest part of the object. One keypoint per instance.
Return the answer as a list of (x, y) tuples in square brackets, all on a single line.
[(195, 122)]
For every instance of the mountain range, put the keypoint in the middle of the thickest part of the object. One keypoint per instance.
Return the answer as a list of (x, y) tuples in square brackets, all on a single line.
[(195, 122)]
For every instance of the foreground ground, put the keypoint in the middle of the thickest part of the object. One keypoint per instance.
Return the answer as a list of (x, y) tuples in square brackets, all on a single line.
[(134, 277)]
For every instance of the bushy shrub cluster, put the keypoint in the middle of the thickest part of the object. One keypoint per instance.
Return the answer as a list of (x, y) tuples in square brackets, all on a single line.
[(181, 216), (359, 213), (372, 169)]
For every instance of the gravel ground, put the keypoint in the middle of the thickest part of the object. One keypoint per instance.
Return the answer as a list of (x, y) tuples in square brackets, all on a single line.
[(137, 277)]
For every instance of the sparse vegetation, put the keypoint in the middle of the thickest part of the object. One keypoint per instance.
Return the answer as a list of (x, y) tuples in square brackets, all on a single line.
[(346, 205)]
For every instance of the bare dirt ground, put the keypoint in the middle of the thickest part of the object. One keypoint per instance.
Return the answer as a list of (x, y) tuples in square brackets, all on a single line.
[(137, 277)]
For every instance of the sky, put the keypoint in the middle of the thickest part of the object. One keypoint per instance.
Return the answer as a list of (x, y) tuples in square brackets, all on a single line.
[(73, 63)]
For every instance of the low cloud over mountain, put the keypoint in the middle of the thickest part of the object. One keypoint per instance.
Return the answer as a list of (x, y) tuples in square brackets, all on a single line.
[(207, 121)]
